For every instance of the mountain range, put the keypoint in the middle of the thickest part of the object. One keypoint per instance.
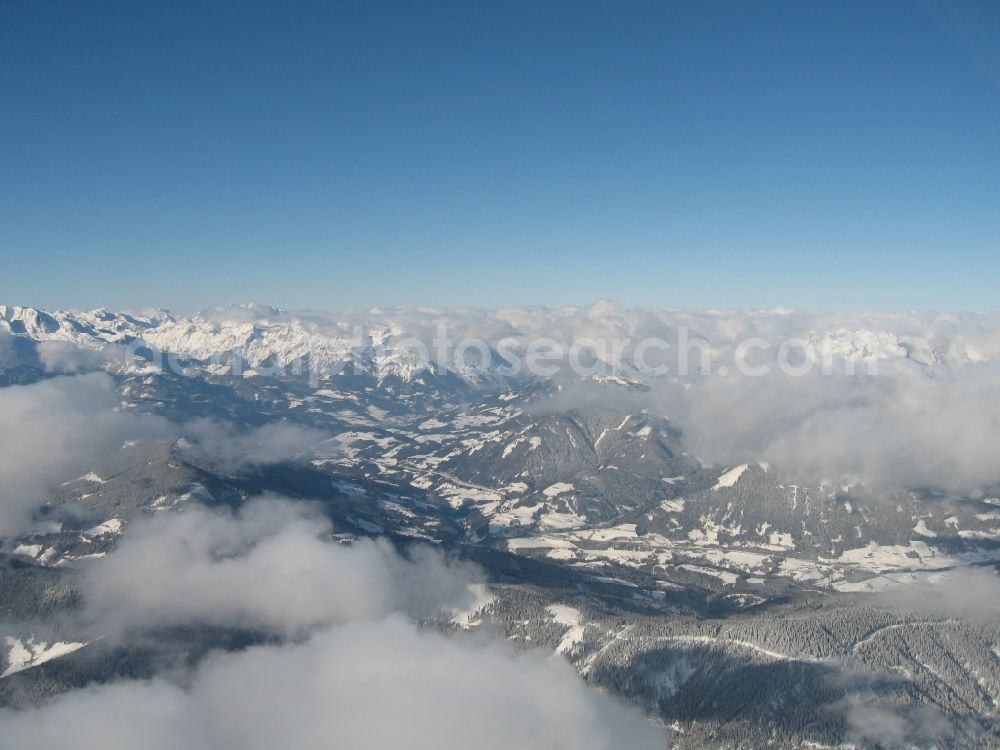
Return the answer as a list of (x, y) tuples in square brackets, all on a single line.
[(702, 546)]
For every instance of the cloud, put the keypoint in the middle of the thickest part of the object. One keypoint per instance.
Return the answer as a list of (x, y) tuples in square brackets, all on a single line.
[(54, 431), (923, 418), (969, 593), (272, 443), (66, 357), (896, 726), (270, 565), (902, 428), (367, 678), (926, 419), (362, 685), (907, 426), (60, 428), (879, 711)]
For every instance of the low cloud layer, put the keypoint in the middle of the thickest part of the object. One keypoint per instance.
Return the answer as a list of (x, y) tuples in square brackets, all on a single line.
[(926, 418), (368, 678), (969, 593), (902, 428), (57, 429), (269, 566), (890, 726), (66, 357), (232, 450), (908, 426), (54, 431), (363, 685)]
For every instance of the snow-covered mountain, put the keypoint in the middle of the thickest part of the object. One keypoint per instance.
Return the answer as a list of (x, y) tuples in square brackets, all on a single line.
[(388, 341), (662, 532)]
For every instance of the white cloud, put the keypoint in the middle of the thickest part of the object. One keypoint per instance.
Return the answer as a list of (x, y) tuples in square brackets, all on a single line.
[(369, 678), (66, 357), (363, 685), (268, 566), (268, 444), (886, 725), (53, 431), (925, 418), (907, 426), (969, 593)]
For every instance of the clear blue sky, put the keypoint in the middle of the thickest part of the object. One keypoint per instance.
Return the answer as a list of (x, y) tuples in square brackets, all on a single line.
[(837, 155)]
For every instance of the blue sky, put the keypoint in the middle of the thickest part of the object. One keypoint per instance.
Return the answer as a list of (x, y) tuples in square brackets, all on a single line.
[(834, 155)]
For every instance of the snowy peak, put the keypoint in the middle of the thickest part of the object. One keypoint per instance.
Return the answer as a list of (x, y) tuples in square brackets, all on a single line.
[(403, 342)]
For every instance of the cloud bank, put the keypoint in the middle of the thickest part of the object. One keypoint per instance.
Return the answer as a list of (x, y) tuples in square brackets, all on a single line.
[(55, 430), (913, 399), (232, 450), (65, 357), (362, 685), (925, 419), (366, 678), (908, 426), (970, 593), (271, 565)]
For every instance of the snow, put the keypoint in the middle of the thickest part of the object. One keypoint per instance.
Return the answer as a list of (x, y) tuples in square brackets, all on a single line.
[(559, 521), (988, 534), (349, 489), (471, 615), (559, 488), (724, 641), (780, 541), (88, 477), (882, 558), (802, 570), (393, 507), (509, 448), (623, 531), (570, 618), (725, 576), (26, 654), (29, 550), (458, 497), (111, 526), (876, 584), (564, 615), (729, 478), (516, 544), (511, 516), (474, 420), (382, 340)]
